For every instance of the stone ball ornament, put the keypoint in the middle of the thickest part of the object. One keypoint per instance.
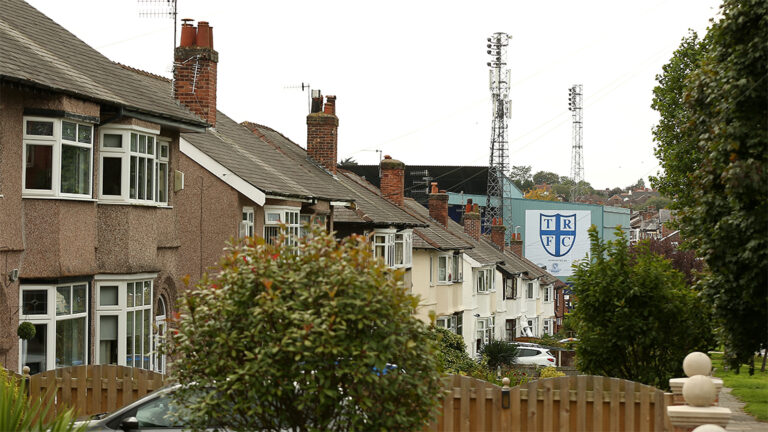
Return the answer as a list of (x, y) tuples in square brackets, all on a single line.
[(697, 363), (699, 391), (709, 428)]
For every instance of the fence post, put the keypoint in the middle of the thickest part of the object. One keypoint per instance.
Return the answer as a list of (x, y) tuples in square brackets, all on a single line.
[(699, 392), (25, 375), (505, 393)]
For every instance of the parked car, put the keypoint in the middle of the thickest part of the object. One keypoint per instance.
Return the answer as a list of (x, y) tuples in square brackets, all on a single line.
[(534, 355), (152, 412)]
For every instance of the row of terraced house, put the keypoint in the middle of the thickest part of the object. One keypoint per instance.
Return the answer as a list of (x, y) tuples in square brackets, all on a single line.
[(115, 184)]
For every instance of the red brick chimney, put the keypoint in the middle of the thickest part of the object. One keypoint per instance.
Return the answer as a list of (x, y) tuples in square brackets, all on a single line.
[(438, 205), (498, 231), (472, 220), (322, 131), (194, 70), (516, 244), (392, 180)]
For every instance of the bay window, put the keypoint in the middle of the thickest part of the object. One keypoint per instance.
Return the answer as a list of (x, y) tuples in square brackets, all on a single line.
[(124, 321), (548, 293), (58, 158), (134, 166), (277, 219), (59, 314)]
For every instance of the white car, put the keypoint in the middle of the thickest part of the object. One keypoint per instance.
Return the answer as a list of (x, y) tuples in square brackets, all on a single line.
[(534, 355)]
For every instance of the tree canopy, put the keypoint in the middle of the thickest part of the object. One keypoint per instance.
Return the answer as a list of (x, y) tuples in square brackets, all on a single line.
[(521, 176), (316, 336), (636, 318), (712, 142), (546, 177)]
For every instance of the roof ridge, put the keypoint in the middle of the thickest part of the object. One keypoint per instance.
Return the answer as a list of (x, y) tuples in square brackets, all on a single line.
[(143, 72)]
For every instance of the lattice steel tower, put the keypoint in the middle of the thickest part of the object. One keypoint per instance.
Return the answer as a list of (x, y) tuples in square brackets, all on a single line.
[(575, 106), (499, 158)]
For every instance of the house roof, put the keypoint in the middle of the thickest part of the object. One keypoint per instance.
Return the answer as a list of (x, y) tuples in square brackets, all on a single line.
[(36, 51), (266, 160), (434, 236), (371, 206)]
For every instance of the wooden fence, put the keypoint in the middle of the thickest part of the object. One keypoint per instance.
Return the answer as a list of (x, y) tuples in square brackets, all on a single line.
[(93, 389), (577, 403)]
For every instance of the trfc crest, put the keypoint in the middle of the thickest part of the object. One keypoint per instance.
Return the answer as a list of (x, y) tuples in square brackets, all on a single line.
[(557, 233)]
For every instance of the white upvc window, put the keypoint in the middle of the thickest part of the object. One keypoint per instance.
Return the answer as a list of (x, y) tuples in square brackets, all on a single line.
[(532, 326), (485, 330), (548, 293), (447, 322), (124, 320), (547, 327), (431, 269), (309, 220), (403, 248), (246, 222), (529, 291), (484, 280), (134, 166), (161, 327), (279, 218), (58, 158), (59, 314)]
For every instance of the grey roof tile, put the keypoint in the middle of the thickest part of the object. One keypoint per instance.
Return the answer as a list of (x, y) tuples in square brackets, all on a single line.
[(39, 52)]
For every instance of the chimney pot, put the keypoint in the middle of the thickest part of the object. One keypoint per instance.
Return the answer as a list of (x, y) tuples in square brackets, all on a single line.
[(330, 105), (194, 76), (204, 35), (434, 188), (188, 33)]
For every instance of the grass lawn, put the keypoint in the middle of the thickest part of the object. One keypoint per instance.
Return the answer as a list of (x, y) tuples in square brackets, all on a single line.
[(752, 390)]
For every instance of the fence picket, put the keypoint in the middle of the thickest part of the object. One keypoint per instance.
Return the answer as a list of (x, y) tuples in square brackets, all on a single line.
[(615, 402), (565, 404), (480, 404), (531, 411), (548, 413), (629, 405), (581, 403), (645, 411), (597, 398), (81, 393)]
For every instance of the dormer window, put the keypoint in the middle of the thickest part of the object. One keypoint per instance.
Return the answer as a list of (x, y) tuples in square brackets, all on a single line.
[(58, 158)]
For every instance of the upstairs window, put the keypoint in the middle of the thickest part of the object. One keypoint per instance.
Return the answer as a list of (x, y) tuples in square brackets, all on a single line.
[(58, 158), (510, 288), (403, 248), (449, 269), (279, 220), (548, 294), (529, 291), (394, 247), (484, 280), (384, 247), (134, 166)]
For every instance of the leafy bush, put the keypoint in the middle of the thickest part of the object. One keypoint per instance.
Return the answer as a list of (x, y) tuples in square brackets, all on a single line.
[(315, 336), (452, 353), (499, 353), (550, 372)]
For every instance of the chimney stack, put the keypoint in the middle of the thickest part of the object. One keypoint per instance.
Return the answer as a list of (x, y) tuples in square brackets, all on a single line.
[(322, 131), (392, 180), (194, 70), (472, 220), (498, 233), (516, 244), (438, 205)]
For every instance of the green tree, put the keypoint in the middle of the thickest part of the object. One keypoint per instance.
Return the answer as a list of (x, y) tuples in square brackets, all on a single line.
[(635, 319), (317, 336), (348, 162), (546, 177), (521, 177), (716, 165)]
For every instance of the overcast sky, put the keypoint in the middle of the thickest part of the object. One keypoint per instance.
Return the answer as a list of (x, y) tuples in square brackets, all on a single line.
[(411, 78)]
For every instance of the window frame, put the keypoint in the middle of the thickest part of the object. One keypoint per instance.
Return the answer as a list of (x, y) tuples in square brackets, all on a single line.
[(510, 288), (529, 293), (56, 142), (288, 216), (247, 222), (484, 279), (125, 154), (51, 318), (121, 310), (548, 293), (546, 326)]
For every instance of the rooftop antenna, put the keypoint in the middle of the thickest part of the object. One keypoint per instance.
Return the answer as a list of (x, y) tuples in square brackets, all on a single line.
[(303, 87), (160, 9), (499, 82), (575, 106)]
